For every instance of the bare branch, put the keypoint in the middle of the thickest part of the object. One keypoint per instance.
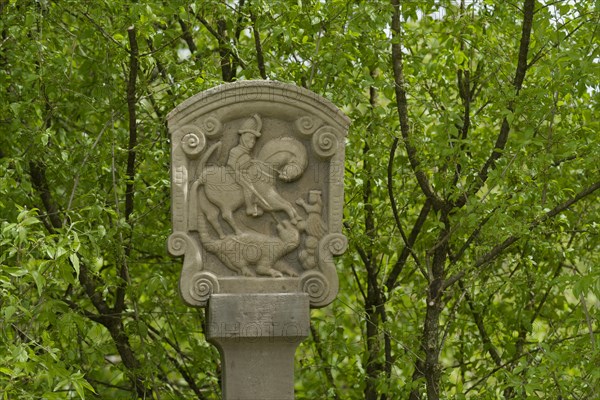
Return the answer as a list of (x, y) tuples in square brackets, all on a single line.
[(131, 155), (478, 318), (87, 281), (180, 366), (208, 27), (360, 288), (226, 50), (187, 35), (407, 250), (528, 7), (37, 171), (162, 70), (321, 354), (365, 260), (563, 206), (538, 309), (402, 107), (259, 51), (541, 53), (520, 72), (390, 187), (588, 320), (85, 159), (238, 22), (518, 357), (500, 248), (97, 26), (454, 258), (131, 103)]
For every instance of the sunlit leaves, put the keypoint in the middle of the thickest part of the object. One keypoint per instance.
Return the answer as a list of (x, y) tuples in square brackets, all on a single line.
[(63, 72)]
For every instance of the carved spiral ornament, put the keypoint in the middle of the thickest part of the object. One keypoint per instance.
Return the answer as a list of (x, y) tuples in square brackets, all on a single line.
[(325, 142), (193, 142), (307, 125), (202, 285), (336, 243), (315, 284), (212, 126), (177, 243)]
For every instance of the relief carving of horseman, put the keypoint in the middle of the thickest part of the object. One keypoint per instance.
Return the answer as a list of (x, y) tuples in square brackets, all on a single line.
[(257, 187), (247, 181)]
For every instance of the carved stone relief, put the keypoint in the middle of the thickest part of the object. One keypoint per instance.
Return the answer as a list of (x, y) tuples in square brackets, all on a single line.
[(257, 188)]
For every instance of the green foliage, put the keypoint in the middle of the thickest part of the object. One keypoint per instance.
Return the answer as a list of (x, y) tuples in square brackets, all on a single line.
[(491, 291)]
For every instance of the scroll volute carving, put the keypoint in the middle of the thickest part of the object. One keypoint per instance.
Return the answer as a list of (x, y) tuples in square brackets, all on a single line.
[(257, 188)]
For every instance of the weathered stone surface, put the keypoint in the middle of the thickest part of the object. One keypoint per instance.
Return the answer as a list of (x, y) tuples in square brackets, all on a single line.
[(257, 188), (257, 335)]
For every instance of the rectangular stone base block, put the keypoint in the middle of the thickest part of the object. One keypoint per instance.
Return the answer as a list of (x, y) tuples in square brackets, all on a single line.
[(257, 336)]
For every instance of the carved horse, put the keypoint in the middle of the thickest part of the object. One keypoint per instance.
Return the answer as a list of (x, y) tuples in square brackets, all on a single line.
[(216, 191)]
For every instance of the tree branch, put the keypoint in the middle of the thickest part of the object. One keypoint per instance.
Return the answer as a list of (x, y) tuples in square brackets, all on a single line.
[(162, 70), (259, 51), (465, 92), (478, 318), (37, 171), (364, 258), (541, 53), (181, 367), (374, 305), (87, 281), (131, 155), (106, 316), (321, 354), (208, 27), (454, 258), (85, 159), (520, 72), (187, 35), (131, 102), (238, 22), (225, 50), (390, 188), (97, 26), (407, 250), (402, 108), (528, 8), (518, 357), (499, 249)]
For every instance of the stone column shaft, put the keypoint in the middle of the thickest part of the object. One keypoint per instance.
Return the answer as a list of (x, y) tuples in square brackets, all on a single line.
[(257, 336)]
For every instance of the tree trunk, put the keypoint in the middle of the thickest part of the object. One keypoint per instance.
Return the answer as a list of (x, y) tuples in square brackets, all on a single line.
[(429, 367)]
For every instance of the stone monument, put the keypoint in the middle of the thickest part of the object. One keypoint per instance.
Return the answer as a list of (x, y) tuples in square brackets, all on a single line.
[(257, 173)]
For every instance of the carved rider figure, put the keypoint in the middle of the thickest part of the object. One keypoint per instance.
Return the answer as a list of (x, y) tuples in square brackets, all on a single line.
[(241, 162)]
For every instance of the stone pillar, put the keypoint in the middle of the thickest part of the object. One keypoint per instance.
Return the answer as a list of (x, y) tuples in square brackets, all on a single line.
[(257, 336), (257, 171)]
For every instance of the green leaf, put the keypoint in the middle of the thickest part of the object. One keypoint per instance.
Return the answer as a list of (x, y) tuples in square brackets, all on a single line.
[(15, 271), (9, 311), (40, 281), (75, 263)]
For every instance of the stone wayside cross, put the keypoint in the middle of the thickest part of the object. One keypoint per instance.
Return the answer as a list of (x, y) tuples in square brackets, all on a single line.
[(257, 172)]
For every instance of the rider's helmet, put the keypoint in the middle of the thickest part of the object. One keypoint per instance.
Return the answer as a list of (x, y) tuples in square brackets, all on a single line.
[(252, 125)]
